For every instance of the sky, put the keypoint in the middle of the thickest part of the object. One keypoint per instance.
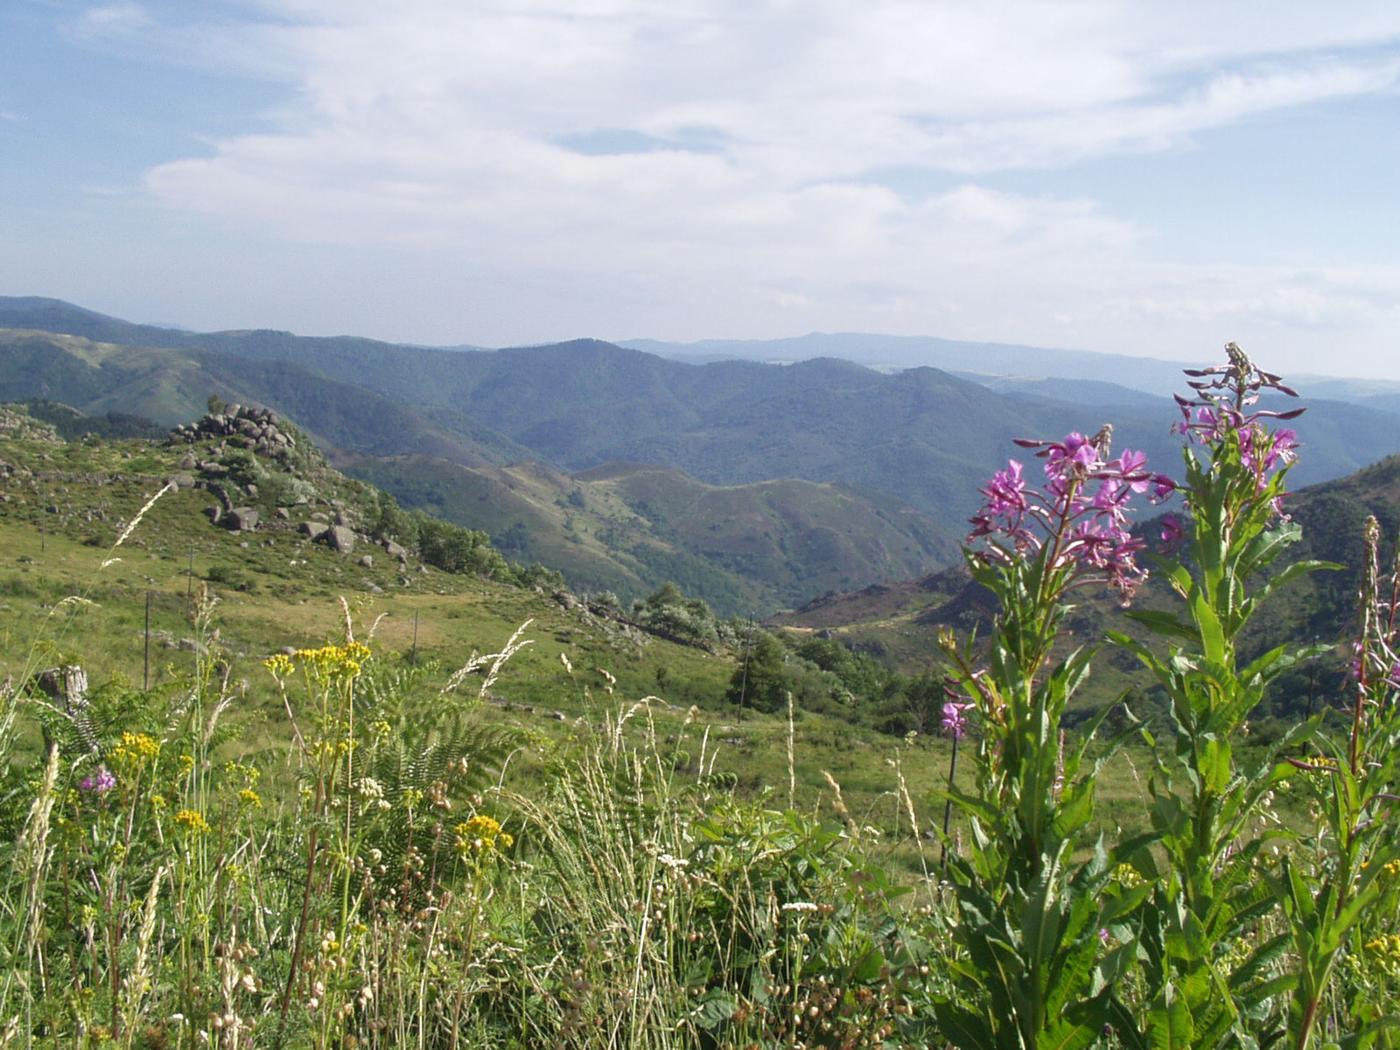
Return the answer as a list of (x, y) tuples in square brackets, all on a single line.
[(1150, 179)]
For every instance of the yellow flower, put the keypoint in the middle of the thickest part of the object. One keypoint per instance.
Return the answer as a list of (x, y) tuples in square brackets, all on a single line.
[(249, 798), (1386, 947), (482, 836), (1127, 875), (192, 821), (332, 661), (279, 664), (135, 752)]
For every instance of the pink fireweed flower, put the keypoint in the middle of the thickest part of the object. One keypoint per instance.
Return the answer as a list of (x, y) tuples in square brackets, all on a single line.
[(1223, 405), (100, 782), (1172, 532), (1006, 493), (1081, 511), (954, 721)]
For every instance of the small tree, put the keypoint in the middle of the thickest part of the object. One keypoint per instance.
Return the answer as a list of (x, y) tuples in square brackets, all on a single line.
[(761, 680)]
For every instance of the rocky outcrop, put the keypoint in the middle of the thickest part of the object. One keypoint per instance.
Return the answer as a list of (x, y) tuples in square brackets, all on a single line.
[(16, 424), (258, 429)]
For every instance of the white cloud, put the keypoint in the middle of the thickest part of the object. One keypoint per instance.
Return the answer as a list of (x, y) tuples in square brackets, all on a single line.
[(431, 130), (114, 19)]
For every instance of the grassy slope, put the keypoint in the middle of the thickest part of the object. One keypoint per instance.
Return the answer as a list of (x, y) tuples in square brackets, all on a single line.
[(291, 599)]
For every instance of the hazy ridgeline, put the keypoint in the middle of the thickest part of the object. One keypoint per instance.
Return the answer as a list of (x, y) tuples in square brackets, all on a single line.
[(397, 866)]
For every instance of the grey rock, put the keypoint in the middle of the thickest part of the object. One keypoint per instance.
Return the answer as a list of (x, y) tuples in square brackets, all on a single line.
[(314, 529), (340, 539), (394, 550), (366, 562), (284, 514), (182, 481), (242, 519)]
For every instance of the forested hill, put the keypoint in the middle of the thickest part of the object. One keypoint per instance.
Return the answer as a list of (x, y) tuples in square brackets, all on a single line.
[(921, 435)]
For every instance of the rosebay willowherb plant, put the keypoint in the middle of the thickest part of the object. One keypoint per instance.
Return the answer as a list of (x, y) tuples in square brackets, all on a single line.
[(1036, 920), (1210, 895), (1341, 900), (1191, 934)]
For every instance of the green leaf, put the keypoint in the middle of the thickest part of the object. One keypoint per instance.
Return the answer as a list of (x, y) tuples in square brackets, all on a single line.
[(1162, 623), (717, 1007), (1169, 1024), (1215, 765)]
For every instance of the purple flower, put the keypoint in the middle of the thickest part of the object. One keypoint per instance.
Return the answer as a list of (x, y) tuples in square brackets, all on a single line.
[(100, 782), (1006, 493), (1082, 506), (1172, 532), (954, 721), (1217, 413)]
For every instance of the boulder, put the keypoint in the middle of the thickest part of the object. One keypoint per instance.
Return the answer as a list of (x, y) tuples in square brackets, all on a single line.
[(242, 519), (182, 481), (340, 539), (366, 562), (313, 529), (394, 550)]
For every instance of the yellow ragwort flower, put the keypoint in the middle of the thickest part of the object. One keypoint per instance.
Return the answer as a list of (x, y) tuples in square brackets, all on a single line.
[(1387, 946), (192, 821), (135, 751), (482, 836)]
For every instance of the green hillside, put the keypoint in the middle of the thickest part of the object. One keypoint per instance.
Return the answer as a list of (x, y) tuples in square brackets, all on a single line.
[(630, 528), (170, 385), (66, 595)]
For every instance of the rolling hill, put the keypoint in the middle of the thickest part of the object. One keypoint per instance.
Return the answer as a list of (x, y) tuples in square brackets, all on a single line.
[(630, 527)]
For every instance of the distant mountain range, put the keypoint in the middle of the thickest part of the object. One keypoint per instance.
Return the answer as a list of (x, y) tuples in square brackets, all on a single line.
[(996, 363), (892, 460)]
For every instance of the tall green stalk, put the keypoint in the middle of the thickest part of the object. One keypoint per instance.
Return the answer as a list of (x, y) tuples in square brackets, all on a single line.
[(1202, 798)]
